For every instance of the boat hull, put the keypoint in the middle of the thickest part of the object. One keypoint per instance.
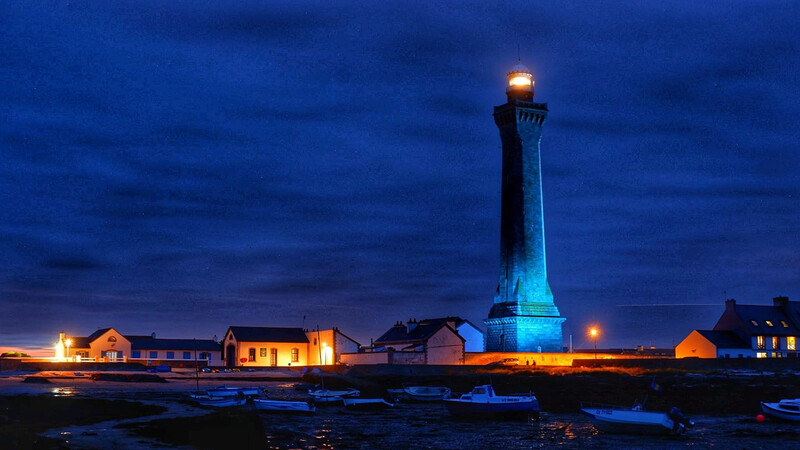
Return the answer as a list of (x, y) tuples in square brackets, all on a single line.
[(218, 402), (629, 421), (776, 412), (427, 394), (284, 406), (225, 391), (515, 410), (329, 397)]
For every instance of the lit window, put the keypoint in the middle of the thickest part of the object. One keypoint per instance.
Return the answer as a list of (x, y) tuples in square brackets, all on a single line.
[(761, 354), (791, 344), (776, 343), (785, 325), (252, 354), (753, 321), (760, 343), (769, 324), (262, 352), (295, 355)]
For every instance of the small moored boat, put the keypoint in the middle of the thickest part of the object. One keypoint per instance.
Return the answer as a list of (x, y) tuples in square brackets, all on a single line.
[(330, 396), (786, 409), (366, 404), (483, 402), (635, 420), (267, 405), (219, 402), (233, 391), (427, 393)]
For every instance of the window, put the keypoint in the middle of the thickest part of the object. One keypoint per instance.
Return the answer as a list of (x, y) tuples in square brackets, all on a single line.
[(153, 355), (262, 352), (761, 354), (295, 355), (769, 323), (170, 355), (752, 321), (187, 355), (315, 341), (791, 344), (760, 343), (785, 325), (204, 355), (136, 354), (776, 343), (112, 339), (252, 355)]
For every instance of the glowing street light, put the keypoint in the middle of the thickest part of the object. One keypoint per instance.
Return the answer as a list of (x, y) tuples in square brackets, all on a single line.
[(593, 332)]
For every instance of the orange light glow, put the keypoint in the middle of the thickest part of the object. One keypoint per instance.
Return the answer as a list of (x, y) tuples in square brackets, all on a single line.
[(520, 80), (593, 332)]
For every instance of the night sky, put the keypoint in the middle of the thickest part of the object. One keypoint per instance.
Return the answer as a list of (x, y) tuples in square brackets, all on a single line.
[(180, 167)]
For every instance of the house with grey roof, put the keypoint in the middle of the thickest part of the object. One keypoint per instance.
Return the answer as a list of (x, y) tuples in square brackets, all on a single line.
[(284, 346), (109, 345), (747, 331), (430, 341)]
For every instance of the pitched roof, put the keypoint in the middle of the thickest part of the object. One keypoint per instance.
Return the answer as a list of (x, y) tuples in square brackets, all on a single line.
[(269, 334), (723, 339), (761, 315), (79, 342), (201, 345), (420, 333), (98, 333)]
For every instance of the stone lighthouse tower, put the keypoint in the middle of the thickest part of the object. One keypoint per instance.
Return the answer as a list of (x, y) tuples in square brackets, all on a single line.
[(523, 317)]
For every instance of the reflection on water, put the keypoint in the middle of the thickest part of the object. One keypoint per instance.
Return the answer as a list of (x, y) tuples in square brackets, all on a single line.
[(64, 391)]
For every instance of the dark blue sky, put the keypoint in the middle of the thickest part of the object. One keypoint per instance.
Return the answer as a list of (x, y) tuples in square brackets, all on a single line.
[(180, 167)]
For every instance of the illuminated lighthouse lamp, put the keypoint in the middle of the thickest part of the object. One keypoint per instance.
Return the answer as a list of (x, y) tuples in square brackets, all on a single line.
[(520, 77)]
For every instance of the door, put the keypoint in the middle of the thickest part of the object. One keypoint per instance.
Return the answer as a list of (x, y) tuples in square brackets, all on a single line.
[(273, 357), (230, 356)]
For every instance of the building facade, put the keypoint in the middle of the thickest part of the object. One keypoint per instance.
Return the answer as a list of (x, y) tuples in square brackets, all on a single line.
[(109, 345), (433, 341), (524, 317), (747, 331), (284, 347)]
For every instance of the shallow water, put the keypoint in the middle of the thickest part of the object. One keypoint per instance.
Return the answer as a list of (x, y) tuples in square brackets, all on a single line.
[(421, 426)]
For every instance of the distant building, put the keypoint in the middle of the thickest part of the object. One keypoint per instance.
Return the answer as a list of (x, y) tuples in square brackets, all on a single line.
[(433, 341), (109, 345), (746, 331), (284, 347)]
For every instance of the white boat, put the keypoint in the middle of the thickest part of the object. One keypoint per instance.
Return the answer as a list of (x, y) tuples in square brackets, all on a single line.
[(330, 396), (219, 402), (786, 409), (427, 393), (366, 404), (635, 420), (483, 402), (232, 391), (284, 406)]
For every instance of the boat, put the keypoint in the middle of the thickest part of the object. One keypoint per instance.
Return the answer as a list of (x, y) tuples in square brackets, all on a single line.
[(786, 409), (483, 402), (230, 391), (267, 405), (635, 420), (427, 393), (330, 396), (219, 402), (366, 404)]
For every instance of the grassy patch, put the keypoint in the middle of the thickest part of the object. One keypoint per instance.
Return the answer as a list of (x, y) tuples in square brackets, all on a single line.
[(22, 417), (226, 428)]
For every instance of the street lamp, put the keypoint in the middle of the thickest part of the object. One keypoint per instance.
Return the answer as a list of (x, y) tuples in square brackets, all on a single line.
[(593, 332), (68, 342)]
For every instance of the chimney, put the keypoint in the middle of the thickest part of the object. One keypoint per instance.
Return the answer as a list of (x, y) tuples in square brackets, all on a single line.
[(730, 305), (62, 337), (412, 323), (153, 335), (781, 302)]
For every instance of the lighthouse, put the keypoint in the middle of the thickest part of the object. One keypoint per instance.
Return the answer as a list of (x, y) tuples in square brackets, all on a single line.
[(524, 317)]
